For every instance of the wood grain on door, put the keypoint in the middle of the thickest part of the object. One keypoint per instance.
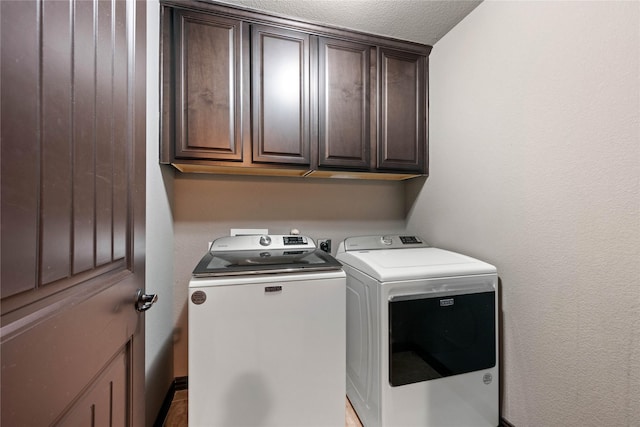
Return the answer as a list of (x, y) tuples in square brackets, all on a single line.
[(72, 190)]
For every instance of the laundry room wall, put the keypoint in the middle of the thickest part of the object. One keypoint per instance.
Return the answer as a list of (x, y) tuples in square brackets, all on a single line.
[(535, 167), (159, 322), (208, 206)]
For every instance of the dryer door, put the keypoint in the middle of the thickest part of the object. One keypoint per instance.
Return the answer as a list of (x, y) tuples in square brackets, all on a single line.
[(435, 335)]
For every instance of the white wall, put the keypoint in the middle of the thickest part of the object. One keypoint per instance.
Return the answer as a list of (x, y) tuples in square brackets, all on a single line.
[(159, 321), (535, 167)]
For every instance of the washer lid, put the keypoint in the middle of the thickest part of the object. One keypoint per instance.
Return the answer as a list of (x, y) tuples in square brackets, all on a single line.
[(263, 254), (388, 265)]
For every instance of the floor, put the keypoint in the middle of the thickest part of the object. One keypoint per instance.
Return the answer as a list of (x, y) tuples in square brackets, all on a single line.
[(177, 416)]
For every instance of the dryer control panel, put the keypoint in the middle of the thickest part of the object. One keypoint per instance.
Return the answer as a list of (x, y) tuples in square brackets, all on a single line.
[(395, 241)]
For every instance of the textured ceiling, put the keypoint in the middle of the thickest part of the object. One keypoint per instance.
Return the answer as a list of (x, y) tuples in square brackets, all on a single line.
[(422, 21)]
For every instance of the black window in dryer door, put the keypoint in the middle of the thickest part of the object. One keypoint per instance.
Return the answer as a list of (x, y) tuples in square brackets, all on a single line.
[(434, 337)]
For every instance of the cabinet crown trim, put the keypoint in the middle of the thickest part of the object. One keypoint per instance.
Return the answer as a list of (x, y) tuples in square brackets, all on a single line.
[(255, 16)]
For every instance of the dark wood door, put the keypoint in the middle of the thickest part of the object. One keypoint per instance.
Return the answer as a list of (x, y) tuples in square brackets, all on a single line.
[(208, 107), (280, 94), (402, 119), (344, 103), (72, 214)]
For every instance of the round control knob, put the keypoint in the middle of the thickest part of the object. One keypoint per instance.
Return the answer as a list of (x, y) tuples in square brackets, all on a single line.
[(265, 240)]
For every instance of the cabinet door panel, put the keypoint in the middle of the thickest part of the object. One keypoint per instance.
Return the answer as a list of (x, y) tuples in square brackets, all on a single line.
[(208, 87), (402, 111), (280, 95), (344, 110)]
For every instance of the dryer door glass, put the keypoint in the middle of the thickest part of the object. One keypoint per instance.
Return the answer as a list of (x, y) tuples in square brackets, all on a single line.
[(438, 337)]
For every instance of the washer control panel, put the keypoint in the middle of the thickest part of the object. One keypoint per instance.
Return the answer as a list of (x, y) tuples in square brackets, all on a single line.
[(264, 241)]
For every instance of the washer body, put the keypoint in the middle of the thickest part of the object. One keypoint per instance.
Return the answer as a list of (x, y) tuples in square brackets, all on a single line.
[(266, 345), (422, 334)]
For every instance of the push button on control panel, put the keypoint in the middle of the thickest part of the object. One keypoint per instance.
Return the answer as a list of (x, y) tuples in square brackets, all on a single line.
[(407, 240)]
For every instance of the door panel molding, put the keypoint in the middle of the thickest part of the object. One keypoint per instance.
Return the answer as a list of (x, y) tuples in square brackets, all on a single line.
[(39, 366), (28, 316), (98, 404)]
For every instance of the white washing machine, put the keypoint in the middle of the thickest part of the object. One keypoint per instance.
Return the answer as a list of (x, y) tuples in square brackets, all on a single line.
[(267, 334), (422, 334)]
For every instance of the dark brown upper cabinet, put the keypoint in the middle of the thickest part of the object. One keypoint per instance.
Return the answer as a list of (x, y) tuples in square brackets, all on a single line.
[(371, 100), (402, 119), (253, 93), (207, 87), (345, 70), (280, 95)]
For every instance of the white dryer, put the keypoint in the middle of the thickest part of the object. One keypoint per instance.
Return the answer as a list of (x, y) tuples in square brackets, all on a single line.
[(422, 334)]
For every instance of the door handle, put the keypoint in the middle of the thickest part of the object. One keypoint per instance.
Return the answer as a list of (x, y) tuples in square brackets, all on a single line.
[(145, 301)]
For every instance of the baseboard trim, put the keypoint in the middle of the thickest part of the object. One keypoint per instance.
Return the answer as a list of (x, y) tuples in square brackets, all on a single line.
[(179, 383), (505, 423)]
